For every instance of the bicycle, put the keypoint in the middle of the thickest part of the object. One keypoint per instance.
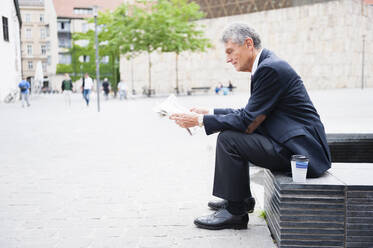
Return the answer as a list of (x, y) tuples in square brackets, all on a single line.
[(11, 97)]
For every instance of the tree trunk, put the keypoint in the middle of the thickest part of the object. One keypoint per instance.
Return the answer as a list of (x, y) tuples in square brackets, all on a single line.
[(132, 81), (150, 74), (114, 80), (177, 73)]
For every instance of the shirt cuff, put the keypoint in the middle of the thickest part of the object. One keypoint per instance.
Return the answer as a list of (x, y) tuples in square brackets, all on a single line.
[(200, 120), (211, 111)]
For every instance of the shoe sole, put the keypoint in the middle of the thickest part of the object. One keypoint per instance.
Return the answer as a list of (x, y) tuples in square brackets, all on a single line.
[(228, 226)]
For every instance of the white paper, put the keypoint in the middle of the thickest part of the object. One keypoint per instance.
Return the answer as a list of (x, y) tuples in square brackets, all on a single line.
[(171, 106)]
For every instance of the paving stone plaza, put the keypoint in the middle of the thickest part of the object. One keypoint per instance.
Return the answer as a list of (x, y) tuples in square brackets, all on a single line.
[(73, 177)]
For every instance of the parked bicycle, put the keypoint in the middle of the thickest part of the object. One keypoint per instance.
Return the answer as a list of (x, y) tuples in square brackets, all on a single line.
[(12, 96)]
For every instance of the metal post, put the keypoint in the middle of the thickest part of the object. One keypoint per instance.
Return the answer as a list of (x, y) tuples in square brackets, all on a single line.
[(363, 64), (97, 60), (133, 85)]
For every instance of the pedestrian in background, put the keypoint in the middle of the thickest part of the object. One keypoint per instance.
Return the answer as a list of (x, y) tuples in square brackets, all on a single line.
[(230, 86), (24, 86), (122, 88), (218, 88), (67, 88), (106, 88), (88, 84)]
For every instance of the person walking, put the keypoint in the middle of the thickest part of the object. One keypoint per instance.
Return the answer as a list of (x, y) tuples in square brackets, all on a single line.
[(106, 88), (67, 88), (24, 87), (122, 88), (88, 85)]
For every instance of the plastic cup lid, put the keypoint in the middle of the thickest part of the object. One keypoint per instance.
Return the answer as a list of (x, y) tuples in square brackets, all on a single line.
[(299, 158)]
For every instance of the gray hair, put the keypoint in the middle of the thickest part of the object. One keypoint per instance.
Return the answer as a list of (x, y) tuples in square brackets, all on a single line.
[(239, 32)]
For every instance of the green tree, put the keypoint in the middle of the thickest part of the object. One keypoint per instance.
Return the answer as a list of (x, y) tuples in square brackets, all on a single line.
[(112, 37), (167, 26), (146, 36), (182, 33)]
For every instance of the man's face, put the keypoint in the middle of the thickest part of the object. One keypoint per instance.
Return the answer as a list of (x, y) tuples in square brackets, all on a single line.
[(241, 56)]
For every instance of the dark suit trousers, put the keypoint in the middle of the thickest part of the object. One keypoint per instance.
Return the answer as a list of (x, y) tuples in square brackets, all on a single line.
[(233, 152)]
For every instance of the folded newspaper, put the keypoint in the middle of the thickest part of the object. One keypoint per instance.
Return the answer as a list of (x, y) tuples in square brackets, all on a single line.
[(171, 106)]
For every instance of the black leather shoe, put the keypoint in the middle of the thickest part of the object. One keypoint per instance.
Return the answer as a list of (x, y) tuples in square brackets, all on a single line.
[(216, 205), (222, 219)]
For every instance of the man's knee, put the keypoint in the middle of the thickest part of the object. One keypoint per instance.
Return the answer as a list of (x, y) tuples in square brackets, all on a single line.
[(226, 136)]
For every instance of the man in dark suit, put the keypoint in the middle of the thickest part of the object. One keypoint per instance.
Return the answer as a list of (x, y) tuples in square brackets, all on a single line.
[(278, 121)]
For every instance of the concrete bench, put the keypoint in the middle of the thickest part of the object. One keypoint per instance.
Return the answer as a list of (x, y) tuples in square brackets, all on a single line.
[(148, 92), (351, 147), (335, 210), (204, 89)]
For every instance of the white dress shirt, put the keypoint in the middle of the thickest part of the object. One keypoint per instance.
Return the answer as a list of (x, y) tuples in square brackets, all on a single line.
[(256, 62)]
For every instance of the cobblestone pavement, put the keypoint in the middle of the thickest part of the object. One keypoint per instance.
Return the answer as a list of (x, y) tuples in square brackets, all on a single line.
[(72, 177)]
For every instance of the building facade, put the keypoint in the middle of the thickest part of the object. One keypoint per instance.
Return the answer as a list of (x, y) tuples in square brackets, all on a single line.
[(325, 42), (39, 42), (10, 47), (71, 18)]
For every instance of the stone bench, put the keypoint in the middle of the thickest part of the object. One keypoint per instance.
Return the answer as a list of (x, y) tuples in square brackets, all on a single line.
[(148, 92), (204, 89), (351, 147), (335, 210)]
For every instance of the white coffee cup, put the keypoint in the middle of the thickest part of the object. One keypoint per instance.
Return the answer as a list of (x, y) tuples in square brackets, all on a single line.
[(299, 166)]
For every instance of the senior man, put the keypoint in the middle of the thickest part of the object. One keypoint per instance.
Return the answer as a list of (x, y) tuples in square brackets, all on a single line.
[(278, 121)]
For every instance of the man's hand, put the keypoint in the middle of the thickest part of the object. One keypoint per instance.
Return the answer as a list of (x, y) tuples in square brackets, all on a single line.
[(199, 111), (185, 120)]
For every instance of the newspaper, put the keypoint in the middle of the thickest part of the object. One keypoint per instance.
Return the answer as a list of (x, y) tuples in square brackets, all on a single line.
[(171, 106)]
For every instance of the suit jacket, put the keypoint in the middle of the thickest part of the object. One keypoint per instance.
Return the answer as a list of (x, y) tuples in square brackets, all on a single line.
[(292, 121)]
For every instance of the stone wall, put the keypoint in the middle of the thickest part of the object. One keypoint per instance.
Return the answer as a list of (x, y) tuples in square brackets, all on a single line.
[(323, 42)]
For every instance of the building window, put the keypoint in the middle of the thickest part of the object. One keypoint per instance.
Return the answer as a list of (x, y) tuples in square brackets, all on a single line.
[(42, 33), (64, 59), (49, 60), (30, 65), (5, 29), (47, 30), (48, 46), (82, 43), (84, 27), (28, 18), (43, 49), (42, 18), (105, 59), (66, 43), (86, 58), (29, 50), (28, 33), (44, 65), (63, 26), (83, 11)]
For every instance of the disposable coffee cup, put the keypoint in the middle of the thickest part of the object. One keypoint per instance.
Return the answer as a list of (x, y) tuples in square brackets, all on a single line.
[(299, 166)]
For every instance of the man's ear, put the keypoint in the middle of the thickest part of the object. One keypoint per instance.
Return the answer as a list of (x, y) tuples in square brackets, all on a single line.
[(249, 42)]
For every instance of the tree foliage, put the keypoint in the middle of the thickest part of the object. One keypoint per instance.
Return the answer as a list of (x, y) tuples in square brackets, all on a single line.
[(165, 26)]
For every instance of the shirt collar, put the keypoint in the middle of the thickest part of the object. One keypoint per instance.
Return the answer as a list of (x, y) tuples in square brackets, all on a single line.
[(256, 62)]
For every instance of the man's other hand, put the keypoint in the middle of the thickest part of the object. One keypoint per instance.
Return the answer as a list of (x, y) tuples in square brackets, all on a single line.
[(185, 120), (199, 111)]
